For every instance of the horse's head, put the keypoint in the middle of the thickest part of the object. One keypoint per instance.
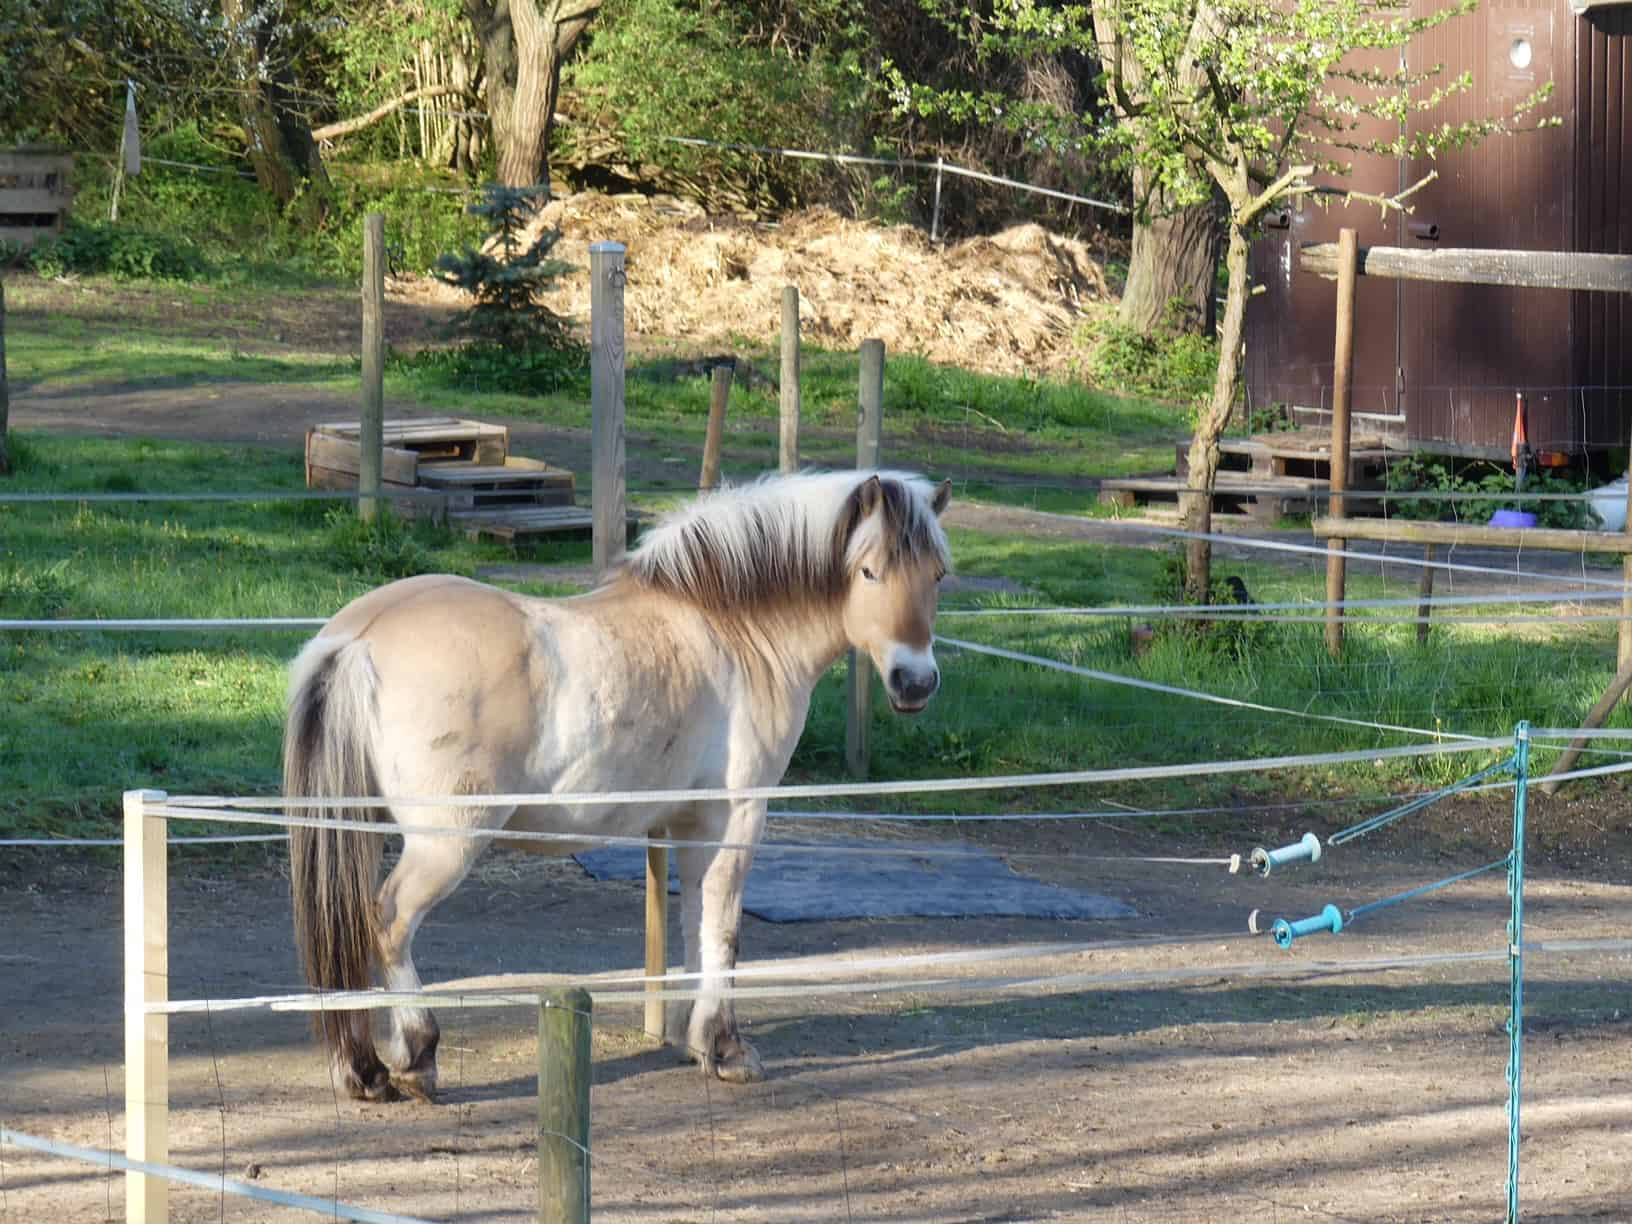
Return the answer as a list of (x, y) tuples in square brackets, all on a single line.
[(895, 555)]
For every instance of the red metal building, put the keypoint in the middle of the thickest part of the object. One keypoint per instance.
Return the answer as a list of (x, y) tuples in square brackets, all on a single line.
[(1437, 365)]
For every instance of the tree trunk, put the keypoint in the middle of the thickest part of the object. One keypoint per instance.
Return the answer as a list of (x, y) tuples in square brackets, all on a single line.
[(5, 390), (279, 140), (1198, 511), (523, 45), (1172, 266)]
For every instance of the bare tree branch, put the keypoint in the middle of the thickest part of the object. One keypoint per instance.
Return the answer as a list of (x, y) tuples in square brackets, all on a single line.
[(333, 131)]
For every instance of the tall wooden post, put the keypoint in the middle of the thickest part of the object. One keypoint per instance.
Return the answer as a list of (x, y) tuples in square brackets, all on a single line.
[(147, 980), (719, 395), (564, 1074), (372, 437), (1348, 246), (5, 392), (788, 390), (869, 442), (608, 494)]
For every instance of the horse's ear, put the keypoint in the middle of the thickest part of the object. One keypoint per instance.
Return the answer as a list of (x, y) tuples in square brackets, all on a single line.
[(868, 496), (943, 495)]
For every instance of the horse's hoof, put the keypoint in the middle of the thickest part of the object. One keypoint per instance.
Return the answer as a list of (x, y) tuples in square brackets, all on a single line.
[(375, 1085), (734, 1061), (743, 1068), (417, 1085)]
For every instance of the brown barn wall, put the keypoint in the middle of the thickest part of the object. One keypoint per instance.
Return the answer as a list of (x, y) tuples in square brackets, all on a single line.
[(1602, 322), (1446, 360)]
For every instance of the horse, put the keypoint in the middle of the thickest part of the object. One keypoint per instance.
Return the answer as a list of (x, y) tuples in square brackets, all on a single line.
[(691, 666)]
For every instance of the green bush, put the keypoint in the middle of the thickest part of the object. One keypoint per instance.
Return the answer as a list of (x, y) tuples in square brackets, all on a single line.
[(1170, 364), (1418, 472), (125, 252), (381, 550)]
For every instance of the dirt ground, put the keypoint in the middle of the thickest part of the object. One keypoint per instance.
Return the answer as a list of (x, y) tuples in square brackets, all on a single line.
[(1220, 1096)]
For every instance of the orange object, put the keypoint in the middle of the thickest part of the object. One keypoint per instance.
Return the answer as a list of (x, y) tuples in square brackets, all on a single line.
[(1521, 432), (1552, 459)]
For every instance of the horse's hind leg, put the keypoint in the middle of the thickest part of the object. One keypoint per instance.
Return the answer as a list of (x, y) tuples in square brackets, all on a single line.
[(430, 868)]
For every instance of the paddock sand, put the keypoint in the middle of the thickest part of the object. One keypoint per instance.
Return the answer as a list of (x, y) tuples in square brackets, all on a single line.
[(1318, 1096)]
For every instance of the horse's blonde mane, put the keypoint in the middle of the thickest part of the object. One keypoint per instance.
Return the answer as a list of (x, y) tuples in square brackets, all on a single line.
[(785, 538)]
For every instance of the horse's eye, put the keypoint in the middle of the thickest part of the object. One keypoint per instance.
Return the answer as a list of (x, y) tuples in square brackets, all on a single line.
[(867, 573), (940, 576)]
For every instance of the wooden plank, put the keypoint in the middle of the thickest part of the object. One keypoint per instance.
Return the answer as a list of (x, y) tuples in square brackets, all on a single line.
[(521, 474), (1238, 486), (33, 200), (1348, 247), (869, 442), (13, 162), (606, 394), (565, 1069), (147, 980), (719, 395), (338, 454), (788, 390), (1595, 718), (1406, 531), (370, 440), (1471, 266), (657, 936)]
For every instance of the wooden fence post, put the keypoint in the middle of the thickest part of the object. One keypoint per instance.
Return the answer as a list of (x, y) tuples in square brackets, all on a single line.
[(371, 439), (5, 393), (147, 980), (1425, 593), (564, 1074), (608, 494), (788, 390), (719, 395), (1348, 246), (869, 441)]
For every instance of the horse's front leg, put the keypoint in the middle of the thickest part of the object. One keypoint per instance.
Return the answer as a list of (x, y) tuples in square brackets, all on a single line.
[(711, 883)]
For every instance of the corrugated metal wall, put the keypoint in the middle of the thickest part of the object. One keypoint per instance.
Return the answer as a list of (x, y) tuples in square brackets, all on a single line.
[(1601, 323), (1446, 360)]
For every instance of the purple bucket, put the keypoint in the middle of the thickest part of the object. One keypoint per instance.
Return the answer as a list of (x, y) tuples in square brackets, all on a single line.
[(1512, 518)]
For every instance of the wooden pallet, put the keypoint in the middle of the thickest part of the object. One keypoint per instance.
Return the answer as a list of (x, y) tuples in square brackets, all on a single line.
[(1296, 452), (433, 439), (1263, 498), (516, 482), (516, 521)]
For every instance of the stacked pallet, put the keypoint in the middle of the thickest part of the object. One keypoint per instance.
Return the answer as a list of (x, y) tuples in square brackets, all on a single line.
[(1265, 477), (453, 470)]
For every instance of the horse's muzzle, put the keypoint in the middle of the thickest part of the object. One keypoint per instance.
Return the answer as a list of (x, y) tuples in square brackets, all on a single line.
[(910, 689)]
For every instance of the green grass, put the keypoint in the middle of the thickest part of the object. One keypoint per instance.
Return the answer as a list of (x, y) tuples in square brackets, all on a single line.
[(84, 716)]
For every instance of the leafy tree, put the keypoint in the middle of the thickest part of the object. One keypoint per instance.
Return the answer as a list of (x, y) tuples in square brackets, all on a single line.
[(262, 43), (1246, 100), (507, 279)]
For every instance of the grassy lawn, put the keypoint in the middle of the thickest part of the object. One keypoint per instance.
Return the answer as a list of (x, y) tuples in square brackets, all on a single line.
[(86, 715), (1019, 440)]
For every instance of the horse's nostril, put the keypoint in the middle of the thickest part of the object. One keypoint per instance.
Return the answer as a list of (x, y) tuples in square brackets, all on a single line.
[(898, 679)]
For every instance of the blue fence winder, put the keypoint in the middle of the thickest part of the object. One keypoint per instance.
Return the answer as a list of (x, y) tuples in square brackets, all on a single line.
[(1333, 919)]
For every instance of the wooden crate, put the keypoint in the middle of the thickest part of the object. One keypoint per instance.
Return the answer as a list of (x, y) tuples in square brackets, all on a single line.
[(36, 192), (428, 440)]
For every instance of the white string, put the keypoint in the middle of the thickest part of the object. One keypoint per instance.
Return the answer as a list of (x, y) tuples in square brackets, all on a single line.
[(221, 840), (1279, 968), (209, 1181), (1171, 690), (209, 807), (1213, 611)]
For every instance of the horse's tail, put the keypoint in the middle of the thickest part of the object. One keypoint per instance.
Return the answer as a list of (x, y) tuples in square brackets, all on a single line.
[(332, 871)]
